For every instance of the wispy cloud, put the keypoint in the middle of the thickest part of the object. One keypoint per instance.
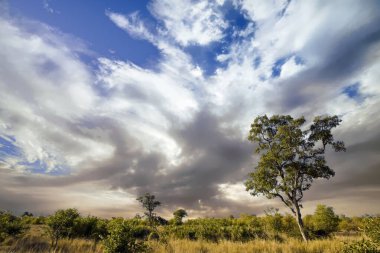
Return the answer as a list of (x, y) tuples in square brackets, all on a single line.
[(188, 22), (132, 24)]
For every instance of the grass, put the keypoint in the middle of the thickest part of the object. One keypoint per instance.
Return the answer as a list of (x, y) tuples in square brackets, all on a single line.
[(262, 246), (36, 241)]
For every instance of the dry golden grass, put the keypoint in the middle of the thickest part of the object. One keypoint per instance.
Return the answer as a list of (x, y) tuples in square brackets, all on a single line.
[(259, 246), (30, 244), (36, 241)]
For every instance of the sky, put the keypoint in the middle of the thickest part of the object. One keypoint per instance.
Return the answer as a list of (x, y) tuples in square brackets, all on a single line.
[(103, 101)]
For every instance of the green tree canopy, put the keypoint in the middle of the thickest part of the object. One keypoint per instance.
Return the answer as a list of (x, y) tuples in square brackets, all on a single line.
[(292, 157), (179, 215), (61, 224), (324, 219), (149, 203)]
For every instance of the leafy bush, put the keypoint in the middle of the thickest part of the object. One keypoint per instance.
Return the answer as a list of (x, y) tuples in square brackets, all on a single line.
[(61, 224), (349, 224), (214, 229), (121, 238), (290, 227), (32, 220), (372, 228), (140, 231), (89, 227), (10, 225), (362, 246), (371, 242), (322, 223)]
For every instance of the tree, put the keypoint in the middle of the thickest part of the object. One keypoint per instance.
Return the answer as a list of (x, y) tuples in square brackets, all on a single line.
[(179, 215), (149, 202), (324, 220), (61, 224), (291, 158)]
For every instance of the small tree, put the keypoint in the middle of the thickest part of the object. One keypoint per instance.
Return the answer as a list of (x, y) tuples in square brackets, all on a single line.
[(149, 202), (324, 221), (121, 238), (179, 215), (61, 224), (291, 158)]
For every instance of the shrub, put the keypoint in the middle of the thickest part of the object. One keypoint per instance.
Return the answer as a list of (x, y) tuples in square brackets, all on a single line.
[(290, 226), (362, 246), (120, 238), (141, 232), (89, 227), (273, 223), (371, 242), (10, 225), (322, 223), (61, 224), (372, 228), (348, 224)]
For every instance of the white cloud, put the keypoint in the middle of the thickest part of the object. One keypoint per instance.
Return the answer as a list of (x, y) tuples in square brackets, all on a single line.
[(262, 10), (149, 102), (132, 24), (49, 90), (290, 68), (191, 22)]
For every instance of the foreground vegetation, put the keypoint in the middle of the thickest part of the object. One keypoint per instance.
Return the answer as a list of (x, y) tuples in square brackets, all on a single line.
[(68, 231), (34, 244)]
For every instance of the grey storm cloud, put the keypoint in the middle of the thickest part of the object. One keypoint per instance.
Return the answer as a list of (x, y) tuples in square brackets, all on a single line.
[(350, 54)]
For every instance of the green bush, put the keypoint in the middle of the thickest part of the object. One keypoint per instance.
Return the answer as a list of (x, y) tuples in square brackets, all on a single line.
[(362, 246), (121, 239), (290, 227), (89, 227), (371, 242), (10, 225), (371, 228), (322, 223), (216, 229), (349, 224), (61, 224)]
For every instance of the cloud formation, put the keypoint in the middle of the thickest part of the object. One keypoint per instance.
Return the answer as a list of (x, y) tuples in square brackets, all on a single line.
[(97, 137)]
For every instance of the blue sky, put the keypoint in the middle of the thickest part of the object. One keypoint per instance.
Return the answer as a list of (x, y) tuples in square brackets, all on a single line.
[(86, 20), (104, 100)]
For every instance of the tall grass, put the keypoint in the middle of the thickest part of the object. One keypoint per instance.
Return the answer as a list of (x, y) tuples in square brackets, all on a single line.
[(35, 244), (37, 241), (259, 246)]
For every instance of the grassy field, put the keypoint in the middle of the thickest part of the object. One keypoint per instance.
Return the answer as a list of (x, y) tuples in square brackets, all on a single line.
[(263, 246), (35, 240)]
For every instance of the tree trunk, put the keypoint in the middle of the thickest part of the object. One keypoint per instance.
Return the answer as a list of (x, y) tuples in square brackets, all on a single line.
[(300, 222)]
